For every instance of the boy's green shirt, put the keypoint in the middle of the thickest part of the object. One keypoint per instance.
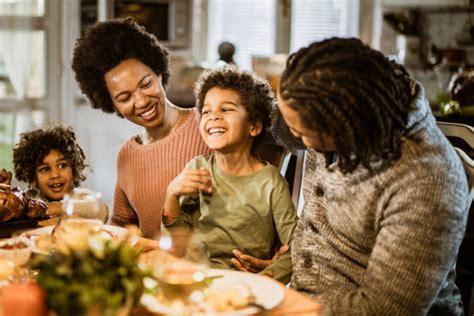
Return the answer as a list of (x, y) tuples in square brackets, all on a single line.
[(252, 213)]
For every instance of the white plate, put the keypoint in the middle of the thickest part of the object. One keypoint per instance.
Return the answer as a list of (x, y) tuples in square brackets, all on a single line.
[(115, 231), (267, 292)]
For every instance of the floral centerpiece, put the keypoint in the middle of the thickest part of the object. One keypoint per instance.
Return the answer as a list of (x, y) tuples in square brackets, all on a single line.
[(96, 277)]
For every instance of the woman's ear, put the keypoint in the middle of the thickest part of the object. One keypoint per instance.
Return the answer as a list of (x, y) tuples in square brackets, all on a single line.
[(256, 128)]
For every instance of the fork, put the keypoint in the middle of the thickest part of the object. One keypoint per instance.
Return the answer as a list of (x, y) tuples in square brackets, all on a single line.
[(56, 225)]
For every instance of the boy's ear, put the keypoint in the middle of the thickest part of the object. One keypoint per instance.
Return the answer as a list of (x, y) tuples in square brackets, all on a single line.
[(256, 128)]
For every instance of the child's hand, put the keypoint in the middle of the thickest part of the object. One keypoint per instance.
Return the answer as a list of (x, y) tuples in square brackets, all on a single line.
[(247, 263), (190, 181)]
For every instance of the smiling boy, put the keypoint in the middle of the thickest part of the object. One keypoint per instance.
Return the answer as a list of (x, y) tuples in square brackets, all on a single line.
[(231, 198), (51, 161)]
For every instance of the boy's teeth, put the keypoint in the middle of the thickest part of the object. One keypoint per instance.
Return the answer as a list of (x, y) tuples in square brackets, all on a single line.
[(216, 130)]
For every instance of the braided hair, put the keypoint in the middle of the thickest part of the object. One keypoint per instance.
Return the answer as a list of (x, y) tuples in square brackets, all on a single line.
[(353, 93), (29, 153)]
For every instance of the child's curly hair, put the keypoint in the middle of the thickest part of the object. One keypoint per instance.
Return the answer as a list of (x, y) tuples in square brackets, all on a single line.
[(105, 46), (255, 94), (29, 153)]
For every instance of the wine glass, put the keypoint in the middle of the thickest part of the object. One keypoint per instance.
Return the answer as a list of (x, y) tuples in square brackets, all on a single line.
[(180, 270), (83, 203), (80, 220)]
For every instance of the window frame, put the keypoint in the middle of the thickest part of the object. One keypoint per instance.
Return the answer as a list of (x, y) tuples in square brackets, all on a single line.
[(282, 26), (49, 24)]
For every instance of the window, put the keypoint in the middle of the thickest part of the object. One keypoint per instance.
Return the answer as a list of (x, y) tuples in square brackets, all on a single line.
[(28, 68), (22, 49), (251, 25), (7, 122), (317, 20), (248, 24)]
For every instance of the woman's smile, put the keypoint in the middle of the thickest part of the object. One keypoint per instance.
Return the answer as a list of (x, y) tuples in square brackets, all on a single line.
[(137, 93), (149, 114)]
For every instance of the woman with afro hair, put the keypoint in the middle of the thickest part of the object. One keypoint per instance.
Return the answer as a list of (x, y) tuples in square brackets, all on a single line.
[(51, 161), (123, 69)]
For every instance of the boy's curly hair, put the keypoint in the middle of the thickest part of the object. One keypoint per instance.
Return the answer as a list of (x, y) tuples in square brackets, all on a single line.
[(105, 46), (29, 153), (255, 94)]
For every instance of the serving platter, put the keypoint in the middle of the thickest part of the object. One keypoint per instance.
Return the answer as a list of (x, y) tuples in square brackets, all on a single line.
[(9, 227), (34, 235), (115, 231)]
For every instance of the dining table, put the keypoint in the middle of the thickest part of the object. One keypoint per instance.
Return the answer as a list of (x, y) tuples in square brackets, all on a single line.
[(296, 303), (293, 302), (28, 303)]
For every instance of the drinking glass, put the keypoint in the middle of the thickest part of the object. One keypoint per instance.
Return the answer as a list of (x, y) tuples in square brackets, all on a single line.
[(180, 270), (80, 220), (83, 203)]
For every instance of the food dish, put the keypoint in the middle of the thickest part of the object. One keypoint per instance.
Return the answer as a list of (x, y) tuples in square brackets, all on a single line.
[(16, 250), (41, 240), (116, 231), (268, 293), (17, 203)]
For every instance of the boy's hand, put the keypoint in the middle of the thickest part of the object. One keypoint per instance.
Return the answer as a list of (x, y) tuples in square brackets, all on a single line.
[(248, 263), (190, 181)]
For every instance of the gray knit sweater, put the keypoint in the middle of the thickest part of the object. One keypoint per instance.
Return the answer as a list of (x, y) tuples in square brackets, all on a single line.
[(385, 243)]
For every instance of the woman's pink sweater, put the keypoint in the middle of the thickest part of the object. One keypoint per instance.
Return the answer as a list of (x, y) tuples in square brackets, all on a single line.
[(144, 172)]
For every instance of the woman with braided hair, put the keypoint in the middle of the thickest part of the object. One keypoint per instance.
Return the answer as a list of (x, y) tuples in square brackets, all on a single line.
[(385, 193)]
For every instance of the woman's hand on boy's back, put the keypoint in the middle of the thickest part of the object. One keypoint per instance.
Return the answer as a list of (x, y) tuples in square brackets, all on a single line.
[(190, 181), (247, 263)]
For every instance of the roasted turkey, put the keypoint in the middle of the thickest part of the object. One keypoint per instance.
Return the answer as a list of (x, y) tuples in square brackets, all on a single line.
[(14, 203)]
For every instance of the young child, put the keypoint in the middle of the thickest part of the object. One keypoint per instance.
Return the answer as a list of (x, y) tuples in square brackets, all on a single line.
[(232, 199), (51, 161)]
